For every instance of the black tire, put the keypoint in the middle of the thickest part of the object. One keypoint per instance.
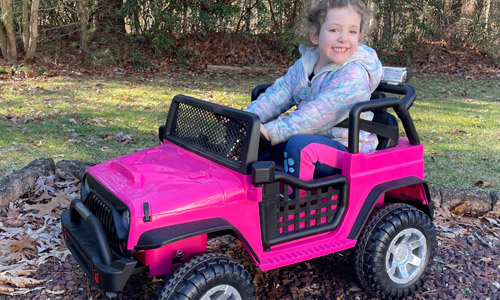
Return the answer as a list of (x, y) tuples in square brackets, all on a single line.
[(209, 272), (394, 253)]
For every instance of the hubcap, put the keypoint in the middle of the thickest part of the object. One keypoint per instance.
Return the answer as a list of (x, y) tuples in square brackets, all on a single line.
[(406, 256), (222, 292)]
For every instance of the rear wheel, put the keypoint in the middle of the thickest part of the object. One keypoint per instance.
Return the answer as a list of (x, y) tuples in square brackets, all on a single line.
[(210, 276), (393, 254)]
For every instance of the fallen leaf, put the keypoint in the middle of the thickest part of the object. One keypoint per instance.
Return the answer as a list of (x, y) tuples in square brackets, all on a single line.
[(486, 259), (24, 243), (456, 130), (460, 209), (19, 281), (483, 184)]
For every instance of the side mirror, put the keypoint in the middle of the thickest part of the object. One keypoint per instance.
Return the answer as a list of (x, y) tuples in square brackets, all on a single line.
[(263, 172)]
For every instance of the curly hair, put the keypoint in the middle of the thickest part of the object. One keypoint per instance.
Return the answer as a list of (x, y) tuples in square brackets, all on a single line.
[(318, 13)]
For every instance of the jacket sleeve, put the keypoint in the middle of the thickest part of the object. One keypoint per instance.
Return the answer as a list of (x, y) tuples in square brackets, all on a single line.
[(330, 106), (278, 97)]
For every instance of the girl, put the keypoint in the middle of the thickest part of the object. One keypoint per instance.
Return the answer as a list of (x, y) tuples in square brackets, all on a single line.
[(324, 84)]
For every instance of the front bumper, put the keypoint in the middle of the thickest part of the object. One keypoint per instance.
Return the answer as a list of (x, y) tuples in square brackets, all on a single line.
[(85, 238)]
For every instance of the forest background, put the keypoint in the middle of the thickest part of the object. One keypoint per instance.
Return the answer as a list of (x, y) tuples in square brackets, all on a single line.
[(150, 35)]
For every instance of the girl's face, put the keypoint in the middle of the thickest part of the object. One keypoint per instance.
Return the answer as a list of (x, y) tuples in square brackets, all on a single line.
[(338, 37)]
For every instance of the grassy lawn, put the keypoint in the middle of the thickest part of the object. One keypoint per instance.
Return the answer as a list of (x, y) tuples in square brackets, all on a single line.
[(95, 119)]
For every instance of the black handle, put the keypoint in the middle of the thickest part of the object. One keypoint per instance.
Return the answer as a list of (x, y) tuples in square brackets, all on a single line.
[(409, 92), (399, 108)]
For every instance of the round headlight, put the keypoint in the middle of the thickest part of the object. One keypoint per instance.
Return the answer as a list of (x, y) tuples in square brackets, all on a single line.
[(126, 219)]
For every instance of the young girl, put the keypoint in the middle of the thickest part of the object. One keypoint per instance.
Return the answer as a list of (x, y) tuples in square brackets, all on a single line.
[(324, 84)]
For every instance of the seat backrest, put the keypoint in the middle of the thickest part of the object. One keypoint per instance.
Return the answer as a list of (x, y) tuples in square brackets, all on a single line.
[(385, 118)]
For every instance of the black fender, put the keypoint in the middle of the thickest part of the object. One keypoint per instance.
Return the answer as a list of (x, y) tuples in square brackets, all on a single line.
[(381, 189), (158, 237)]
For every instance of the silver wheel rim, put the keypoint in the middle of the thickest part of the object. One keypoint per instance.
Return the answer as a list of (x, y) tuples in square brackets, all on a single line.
[(406, 256), (222, 292)]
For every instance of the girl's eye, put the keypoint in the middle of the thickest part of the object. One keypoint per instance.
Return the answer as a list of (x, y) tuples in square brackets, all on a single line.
[(334, 30), (354, 32)]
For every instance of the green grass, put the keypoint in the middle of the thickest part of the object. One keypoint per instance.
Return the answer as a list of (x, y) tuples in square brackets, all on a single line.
[(84, 118)]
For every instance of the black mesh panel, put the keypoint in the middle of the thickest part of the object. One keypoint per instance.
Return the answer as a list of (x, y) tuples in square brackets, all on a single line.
[(220, 135)]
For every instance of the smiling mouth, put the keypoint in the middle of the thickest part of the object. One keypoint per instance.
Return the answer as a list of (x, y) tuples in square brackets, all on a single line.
[(340, 49)]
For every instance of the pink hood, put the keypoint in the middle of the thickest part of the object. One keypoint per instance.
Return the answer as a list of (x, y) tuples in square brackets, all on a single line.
[(168, 177)]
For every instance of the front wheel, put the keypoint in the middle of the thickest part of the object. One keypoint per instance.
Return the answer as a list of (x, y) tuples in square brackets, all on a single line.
[(210, 276), (393, 254)]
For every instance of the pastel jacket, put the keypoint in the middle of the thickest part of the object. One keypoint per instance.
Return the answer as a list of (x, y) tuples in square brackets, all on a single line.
[(322, 102)]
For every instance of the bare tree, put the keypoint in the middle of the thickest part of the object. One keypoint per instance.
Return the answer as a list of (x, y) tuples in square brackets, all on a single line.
[(26, 24), (9, 29), (3, 41), (33, 39), (82, 17)]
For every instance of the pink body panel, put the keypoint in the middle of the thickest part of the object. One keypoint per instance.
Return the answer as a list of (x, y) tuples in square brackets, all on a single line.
[(155, 259), (181, 187)]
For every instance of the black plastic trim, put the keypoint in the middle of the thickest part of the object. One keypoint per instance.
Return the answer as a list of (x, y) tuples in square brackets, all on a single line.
[(113, 202), (374, 195), (88, 245), (96, 227), (147, 216), (396, 104), (249, 154), (267, 206), (158, 237), (409, 92)]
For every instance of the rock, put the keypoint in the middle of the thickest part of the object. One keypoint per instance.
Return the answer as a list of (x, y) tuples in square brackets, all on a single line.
[(496, 203), (17, 183), (472, 202), (71, 168), (435, 195)]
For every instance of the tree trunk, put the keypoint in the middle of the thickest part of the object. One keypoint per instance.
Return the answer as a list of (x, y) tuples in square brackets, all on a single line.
[(485, 15), (3, 42), (26, 25), (82, 18), (35, 4), (9, 29)]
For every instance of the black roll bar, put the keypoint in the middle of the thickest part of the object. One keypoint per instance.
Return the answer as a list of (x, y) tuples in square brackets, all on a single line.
[(399, 108)]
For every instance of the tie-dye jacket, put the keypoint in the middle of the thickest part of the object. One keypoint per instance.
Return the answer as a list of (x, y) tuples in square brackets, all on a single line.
[(323, 101)]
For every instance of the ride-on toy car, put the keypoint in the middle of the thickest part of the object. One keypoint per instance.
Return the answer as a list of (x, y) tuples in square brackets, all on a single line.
[(154, 210)]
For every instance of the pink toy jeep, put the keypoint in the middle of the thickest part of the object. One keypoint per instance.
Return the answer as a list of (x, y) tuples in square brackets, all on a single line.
[(154, 210)]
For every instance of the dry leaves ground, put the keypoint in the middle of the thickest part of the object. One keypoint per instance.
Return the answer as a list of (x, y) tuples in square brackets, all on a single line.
[(35, 264)]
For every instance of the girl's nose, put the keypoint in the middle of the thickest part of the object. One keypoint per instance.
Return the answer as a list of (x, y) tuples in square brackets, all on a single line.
[(341, 36)]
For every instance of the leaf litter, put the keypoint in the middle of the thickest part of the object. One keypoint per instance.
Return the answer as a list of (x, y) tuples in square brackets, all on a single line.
[(30, 233), (33, 254)]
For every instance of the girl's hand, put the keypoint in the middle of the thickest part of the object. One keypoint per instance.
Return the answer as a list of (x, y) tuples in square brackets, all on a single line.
[(263, 131)]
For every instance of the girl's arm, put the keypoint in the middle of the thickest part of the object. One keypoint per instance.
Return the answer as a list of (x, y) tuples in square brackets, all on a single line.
[(348, 86), (277, 98)]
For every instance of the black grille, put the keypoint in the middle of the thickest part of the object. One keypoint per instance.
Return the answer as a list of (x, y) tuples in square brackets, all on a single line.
[(220, 135), (104, 214)]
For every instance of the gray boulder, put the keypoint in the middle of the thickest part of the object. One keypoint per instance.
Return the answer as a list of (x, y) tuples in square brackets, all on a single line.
[(435, 195), (496, 203), (477, 202), (71, 169), (19, 182)]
